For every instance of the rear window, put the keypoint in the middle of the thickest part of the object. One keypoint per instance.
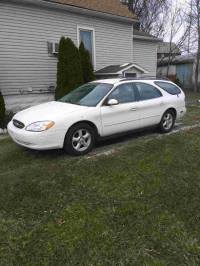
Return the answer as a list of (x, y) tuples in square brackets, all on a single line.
[(168, 87)]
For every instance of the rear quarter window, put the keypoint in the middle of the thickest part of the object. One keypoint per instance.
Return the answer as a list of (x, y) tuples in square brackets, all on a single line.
[(168, 87)]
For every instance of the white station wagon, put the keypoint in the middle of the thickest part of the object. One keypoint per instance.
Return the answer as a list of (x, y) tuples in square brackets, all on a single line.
[(98, 109)]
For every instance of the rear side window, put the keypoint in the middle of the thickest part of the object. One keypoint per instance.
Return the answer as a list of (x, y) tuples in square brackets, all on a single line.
[(147, 91), (168, 87)]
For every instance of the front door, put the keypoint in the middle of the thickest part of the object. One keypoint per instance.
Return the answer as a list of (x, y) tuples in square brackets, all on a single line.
[(125, 115)]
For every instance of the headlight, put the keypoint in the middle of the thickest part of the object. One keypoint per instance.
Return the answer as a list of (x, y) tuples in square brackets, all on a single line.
[(40, 126)]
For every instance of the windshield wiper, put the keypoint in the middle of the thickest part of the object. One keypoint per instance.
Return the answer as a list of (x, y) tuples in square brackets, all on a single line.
[(75, 103)]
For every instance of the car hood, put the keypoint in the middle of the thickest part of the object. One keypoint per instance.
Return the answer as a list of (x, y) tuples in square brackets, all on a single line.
[(48, 111)]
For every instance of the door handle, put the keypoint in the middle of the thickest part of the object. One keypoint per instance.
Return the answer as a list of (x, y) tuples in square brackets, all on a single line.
[(133, 109)]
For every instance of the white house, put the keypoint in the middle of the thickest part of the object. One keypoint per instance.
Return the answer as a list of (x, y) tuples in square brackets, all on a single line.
[(31, 29)]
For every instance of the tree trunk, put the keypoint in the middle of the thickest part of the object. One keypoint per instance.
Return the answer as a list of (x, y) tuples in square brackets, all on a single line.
[(168, 66), (170, 54), (196, 78)]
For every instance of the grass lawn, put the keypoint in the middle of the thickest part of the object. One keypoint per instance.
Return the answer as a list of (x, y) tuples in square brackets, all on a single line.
[(139, 206)]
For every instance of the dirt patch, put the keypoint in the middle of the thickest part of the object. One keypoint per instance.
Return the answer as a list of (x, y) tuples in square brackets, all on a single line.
[(195, 117), (184, 128), (103, 153)]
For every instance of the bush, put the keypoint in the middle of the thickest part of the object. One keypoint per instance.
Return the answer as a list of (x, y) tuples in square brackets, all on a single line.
[(69, 71), (87, 68), (178, 82), (61, 75), (2, 111), (8, 117)]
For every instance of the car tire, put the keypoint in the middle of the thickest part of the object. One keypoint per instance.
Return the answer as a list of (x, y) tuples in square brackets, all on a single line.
[(79, 139), (167, 121)]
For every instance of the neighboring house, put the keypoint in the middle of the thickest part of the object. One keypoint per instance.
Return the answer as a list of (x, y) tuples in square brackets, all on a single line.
[(166, 49), (31, 30), (182, 68)]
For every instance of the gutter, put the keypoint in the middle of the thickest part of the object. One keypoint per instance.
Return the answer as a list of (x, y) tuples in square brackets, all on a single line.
[(106, 74), (146, 38), (175, 63), (74, 9)]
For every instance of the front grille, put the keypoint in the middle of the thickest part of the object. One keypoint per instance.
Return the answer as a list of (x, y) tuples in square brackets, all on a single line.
[(18, 124)]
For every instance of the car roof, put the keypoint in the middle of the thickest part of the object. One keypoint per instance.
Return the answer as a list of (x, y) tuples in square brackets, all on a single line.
[(114, 81), (108, 81)]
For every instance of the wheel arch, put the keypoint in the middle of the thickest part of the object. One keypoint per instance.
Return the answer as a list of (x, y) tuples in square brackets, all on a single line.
[(173, 110), (91, 124)]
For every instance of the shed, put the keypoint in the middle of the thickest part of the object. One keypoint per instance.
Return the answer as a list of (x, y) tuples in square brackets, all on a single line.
[(182, 67), (124, 70)]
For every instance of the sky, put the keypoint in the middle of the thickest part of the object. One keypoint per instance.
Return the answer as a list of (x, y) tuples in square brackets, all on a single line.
[(181, 1), (181, 31)]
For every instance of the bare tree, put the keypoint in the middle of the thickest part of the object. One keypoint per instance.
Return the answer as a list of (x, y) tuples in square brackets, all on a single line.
[(189, 23), (176, 32), (166, 19), (151, 14), (194, 17)]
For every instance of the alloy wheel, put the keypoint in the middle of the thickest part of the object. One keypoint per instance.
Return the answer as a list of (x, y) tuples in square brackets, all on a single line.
[(81, 140), (167, 121)]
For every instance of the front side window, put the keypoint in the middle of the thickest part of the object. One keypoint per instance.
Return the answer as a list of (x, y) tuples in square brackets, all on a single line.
[(87, 38), (88, 95), (147, 91), (168, 87), (124, 93)]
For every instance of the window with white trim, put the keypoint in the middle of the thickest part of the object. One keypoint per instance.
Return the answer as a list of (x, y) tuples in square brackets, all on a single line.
[(87, 36)]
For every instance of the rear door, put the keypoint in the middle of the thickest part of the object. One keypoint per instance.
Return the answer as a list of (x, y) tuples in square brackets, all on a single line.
[(125, 115), (152, 104)]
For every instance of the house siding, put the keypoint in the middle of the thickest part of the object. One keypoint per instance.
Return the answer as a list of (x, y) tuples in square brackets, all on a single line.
[(28, 70), (145, 55)]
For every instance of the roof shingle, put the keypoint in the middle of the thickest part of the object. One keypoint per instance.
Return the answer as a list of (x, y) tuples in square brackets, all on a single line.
[(113, 7)]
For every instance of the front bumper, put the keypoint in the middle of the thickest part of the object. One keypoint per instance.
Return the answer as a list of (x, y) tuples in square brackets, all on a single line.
[(45, 140)]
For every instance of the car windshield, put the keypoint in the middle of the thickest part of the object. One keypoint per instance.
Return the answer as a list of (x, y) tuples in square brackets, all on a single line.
[(87, 95)]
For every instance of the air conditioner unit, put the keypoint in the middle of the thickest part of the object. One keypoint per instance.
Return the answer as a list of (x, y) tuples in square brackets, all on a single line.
[(53, 48)]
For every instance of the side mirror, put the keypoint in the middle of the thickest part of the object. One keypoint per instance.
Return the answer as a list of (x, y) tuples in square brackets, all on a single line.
[(112, 102)]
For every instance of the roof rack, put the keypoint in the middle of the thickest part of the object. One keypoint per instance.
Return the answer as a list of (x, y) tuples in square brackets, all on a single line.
[(144, 78)]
